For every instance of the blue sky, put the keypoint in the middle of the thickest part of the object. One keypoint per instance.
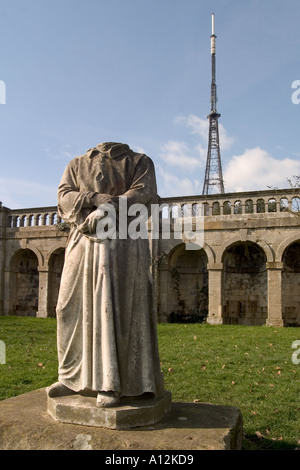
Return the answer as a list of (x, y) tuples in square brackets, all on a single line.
[(78, 73)]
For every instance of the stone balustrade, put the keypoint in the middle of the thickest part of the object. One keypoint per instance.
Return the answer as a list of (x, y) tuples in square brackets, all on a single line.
[(33, 217), (254, 202), (229, 204)]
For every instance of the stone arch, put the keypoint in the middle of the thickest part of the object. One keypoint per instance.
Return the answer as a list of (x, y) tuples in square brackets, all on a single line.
[(59, 247), (284, 204), (263, 245), (272, 205), (249, 207), (55, 266), (295, 204), (260, 206), (290, 284), (227, 208), (209, 253), (205, 208), (284, 245), (35, 250), (237, 207), (24, 283), (207, 248), (245, 284), (216, 208), (187, 285)]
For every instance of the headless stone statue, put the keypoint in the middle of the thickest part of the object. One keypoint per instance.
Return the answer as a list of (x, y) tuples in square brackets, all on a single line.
[(106, 329)]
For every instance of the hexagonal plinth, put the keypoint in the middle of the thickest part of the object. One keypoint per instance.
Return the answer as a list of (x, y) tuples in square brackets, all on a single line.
[(130, 413)]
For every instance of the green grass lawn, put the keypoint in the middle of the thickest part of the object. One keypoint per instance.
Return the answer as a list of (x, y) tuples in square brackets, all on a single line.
[(250, 368)]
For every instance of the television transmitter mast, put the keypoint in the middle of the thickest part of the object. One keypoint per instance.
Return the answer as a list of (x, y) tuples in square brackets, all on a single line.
[(213, 182)]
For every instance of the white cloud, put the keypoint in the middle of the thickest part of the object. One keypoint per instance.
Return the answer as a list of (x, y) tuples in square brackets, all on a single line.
[(199, 126), (202, 153), (196, 124), (186, 157), (256, 169), (172, 185), (177, 154)]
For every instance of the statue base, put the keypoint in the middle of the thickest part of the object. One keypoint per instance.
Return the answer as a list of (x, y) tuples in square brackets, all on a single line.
[(26, 425), (129, 413)]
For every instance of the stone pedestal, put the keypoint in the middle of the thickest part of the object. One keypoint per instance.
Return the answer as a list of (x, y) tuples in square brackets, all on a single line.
[(130, 413), (26, 425)]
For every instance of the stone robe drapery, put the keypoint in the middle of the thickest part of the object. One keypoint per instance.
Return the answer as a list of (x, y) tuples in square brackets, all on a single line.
[(106, 329)]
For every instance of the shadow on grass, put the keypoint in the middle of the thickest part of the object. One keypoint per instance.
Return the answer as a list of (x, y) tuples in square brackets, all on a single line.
[(253, 442)]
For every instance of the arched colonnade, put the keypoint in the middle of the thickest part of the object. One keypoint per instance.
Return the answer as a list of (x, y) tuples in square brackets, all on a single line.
[(244, 281)]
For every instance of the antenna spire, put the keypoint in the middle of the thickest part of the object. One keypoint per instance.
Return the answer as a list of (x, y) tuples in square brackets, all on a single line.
[(213, 181)]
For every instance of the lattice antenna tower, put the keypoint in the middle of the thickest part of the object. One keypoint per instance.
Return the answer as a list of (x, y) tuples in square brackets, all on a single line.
[(213, 182)]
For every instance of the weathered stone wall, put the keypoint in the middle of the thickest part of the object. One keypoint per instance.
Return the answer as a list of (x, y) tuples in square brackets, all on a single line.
[(245, 285), (32, 240), (291, 285), (241, 289), (56, 263), (24, 282), (188, 286)]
